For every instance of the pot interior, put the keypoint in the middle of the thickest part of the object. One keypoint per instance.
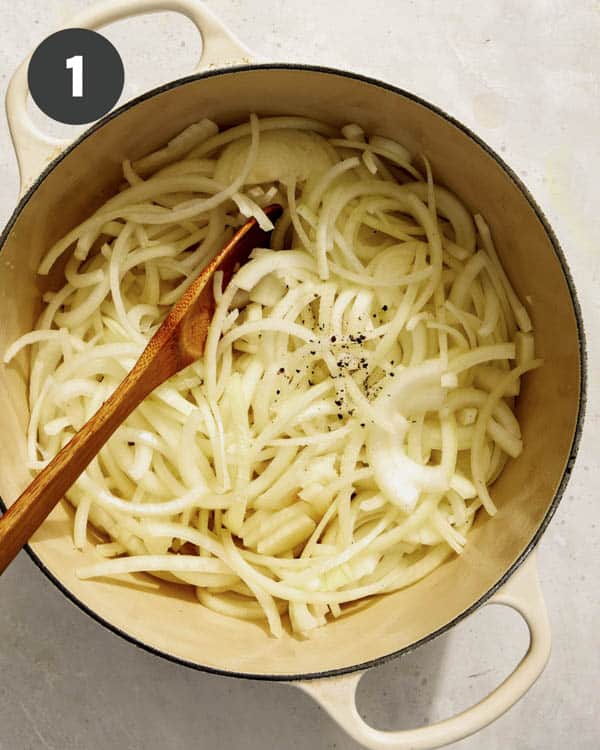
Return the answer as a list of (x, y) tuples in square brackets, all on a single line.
[(167, 617)]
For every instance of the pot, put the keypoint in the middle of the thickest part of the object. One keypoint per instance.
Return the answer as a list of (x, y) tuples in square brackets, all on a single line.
[(497, 565)]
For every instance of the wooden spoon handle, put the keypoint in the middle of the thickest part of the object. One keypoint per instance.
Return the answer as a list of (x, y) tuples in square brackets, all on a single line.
[(178, 342), (29, 511)]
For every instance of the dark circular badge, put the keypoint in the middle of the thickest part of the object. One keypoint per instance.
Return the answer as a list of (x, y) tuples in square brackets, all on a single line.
[(76, 76)]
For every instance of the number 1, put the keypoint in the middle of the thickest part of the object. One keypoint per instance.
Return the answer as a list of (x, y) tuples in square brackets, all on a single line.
[(76, 65)]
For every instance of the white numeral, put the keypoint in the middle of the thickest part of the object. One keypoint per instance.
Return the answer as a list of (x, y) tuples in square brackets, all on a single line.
[(76, 65)]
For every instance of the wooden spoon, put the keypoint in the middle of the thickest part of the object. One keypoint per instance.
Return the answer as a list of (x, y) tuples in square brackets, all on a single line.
[(178, 342)]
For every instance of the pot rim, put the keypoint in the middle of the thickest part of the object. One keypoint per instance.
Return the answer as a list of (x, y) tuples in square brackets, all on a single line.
[(582, 374)]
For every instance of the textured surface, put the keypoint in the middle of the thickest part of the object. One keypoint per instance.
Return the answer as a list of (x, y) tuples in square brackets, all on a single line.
[(526, 79)]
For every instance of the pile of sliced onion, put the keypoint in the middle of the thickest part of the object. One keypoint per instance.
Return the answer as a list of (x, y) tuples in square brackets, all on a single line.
[(355, 398)]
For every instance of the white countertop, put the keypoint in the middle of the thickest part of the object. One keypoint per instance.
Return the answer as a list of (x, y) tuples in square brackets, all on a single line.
[(525, 77)]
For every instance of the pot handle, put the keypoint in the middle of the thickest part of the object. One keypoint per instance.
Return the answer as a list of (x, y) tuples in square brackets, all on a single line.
[(522, 592), (34, 150)]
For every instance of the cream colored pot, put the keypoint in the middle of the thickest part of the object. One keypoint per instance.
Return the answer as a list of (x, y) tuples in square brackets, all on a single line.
[(74, 182)]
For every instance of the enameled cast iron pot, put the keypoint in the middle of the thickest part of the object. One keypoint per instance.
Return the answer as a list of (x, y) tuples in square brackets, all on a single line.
[(497, 565)]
